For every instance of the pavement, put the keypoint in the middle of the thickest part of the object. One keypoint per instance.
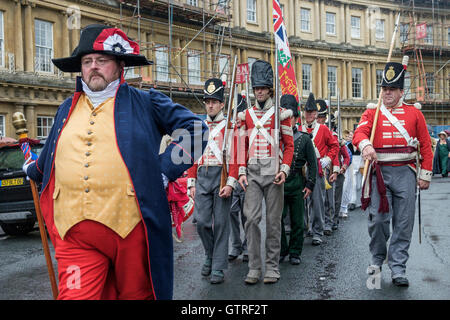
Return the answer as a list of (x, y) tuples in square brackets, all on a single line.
[(333, 271)]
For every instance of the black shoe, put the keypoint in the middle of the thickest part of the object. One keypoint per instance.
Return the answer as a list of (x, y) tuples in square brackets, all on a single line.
[(294, 259), (206, 269), (316, 242), (327, 232), (400, 282), (334, 227), (217, 277), (245, 258), (231, 257), (282, 257), (351, 207)]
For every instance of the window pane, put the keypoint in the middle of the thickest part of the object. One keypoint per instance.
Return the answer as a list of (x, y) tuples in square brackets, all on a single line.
[(331, 23), (356, 27), (2, 126), (306, 79), (332, 80), (162, 64), (194, 68), (2, 49), (379, 32), (251, 10), (304, 20), (379, 80), (356, 83), (44, 124), (44, 45)]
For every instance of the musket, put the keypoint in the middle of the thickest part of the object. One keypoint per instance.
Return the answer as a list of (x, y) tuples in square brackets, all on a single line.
[(377, 112), (329, 111), (276, 105), (224, 173), (247, 96), (19, 123), (418, 194)]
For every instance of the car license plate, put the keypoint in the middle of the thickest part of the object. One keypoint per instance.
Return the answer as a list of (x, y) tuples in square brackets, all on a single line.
[(11, 182)]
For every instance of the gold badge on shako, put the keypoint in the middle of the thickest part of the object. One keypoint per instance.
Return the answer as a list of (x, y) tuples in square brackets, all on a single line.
[(390, 74), (211, 87)]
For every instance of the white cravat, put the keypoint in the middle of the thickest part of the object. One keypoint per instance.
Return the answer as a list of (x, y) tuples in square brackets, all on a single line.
[(97, 97)]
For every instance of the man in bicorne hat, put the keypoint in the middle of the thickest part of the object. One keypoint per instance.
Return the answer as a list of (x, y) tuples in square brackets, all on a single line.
[(212, 204), (103, 180), (400, 157), (257, 175), (326, 149)]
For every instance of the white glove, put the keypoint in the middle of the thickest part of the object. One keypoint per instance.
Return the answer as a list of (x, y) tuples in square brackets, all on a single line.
[(165, 180), (325, 162), (25, 166)]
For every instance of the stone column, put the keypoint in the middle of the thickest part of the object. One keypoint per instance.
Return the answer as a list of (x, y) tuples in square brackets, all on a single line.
[(344, 80), (18, 39), (31, 121), (368, 86), (348, 26), (325, 78), (318, 81), (342, 23), (322, 20), (243, 14), (29, 26), (296, 21), (368, 33), (264, 13), (316, 22), (208, 57), (236, 19), (298, 72), (349, 80), (291, 14), (374, 82)]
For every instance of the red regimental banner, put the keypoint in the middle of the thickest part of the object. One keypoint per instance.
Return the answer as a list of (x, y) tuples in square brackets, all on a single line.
[(242, 73)]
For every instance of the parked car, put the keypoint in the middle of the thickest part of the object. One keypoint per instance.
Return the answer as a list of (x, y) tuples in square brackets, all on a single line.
[(17, 211)]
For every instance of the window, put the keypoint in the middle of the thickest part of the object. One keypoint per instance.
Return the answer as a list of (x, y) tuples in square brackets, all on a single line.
[(448, 36), (194, 67), (2, 41), (404, 32), (305, 18), (306, 79), (331, 23), (129, 73), (224, 65), (356, 83), (251, 10), (162, 63), (44, 124), (44, 45), (332, 80), (430, 83), (2, 126), (379, 30), (429, 37), (379, 80), (192, 3), (407, 85), (356, 27)]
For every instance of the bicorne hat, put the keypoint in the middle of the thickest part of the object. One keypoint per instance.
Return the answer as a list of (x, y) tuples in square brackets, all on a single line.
[(97, 38), (322, 108), (262, 74), (393, 75), (311, 103), (214, 89), (288, 101)]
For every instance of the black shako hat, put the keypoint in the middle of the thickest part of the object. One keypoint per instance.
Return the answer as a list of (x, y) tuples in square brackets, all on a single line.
[(214, 89), (322, 108), (97, 38), (288, 101), (262, 74), (241, 103), (393, 75), (311, 103)]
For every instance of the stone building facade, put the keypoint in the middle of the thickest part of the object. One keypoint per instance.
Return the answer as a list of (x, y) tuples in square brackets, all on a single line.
[(336, 45)]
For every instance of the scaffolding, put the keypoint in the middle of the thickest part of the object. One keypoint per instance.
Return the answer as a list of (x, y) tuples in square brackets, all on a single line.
[(196, 33), (424, 38)]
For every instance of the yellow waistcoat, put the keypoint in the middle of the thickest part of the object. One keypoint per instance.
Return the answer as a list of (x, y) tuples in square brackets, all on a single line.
[(91, 179)]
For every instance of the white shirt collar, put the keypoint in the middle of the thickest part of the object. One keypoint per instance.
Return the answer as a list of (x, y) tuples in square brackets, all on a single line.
[(98, 97)]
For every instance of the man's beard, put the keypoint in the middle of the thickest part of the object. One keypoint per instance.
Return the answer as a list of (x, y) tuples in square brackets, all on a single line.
[(97, 85)]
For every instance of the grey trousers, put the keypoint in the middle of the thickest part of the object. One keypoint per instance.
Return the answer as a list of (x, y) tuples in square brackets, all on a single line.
[(212, 215), (259, 187), (401, 188), (334, 195), (237, 218), (316, 208)]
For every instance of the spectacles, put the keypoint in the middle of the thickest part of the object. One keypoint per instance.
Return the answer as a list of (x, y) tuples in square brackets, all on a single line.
[(100, 62)]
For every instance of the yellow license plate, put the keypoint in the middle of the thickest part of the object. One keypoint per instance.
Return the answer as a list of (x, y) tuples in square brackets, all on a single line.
[(11, 182)]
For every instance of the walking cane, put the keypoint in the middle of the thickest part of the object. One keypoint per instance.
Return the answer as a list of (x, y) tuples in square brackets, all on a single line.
[(19, 123)]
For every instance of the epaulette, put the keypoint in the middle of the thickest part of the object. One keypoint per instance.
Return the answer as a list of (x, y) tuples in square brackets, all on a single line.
[(371, 106), (241, 115), (416, 105), (285, 113)]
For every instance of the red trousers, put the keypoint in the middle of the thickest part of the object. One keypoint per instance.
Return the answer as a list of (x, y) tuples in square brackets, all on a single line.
[(94, 262)]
